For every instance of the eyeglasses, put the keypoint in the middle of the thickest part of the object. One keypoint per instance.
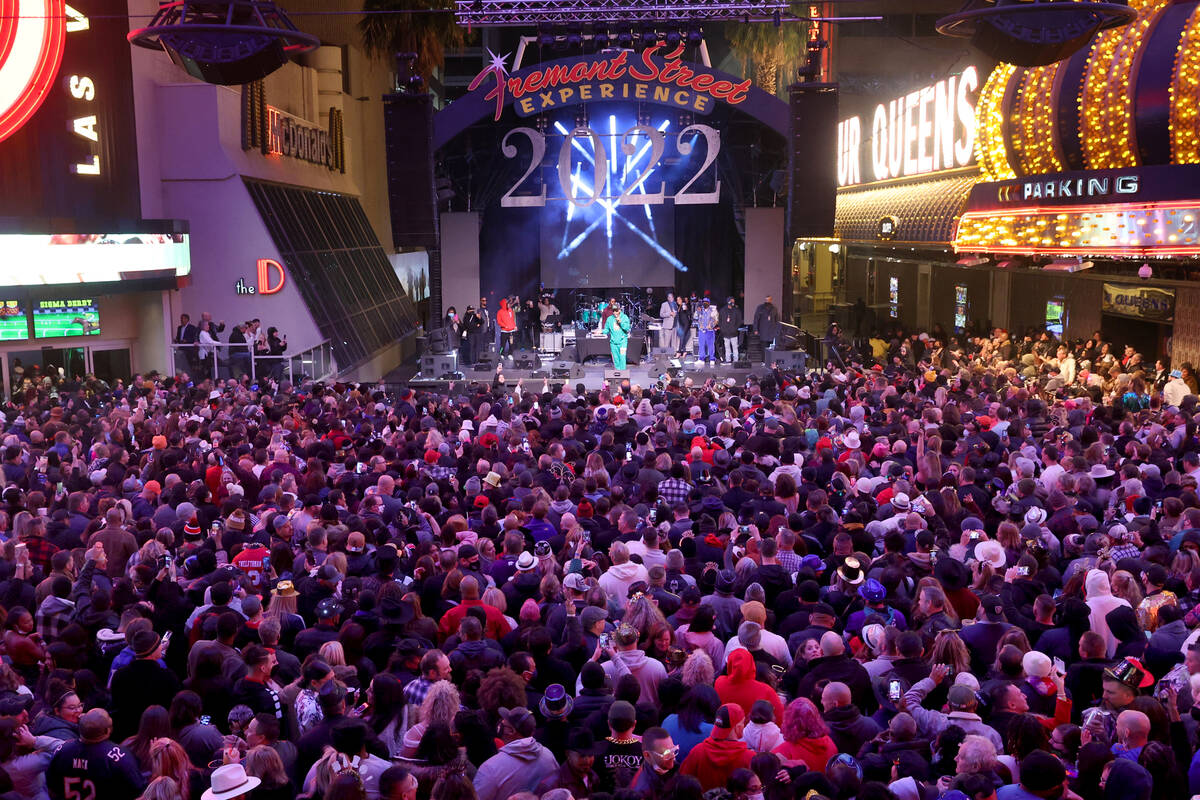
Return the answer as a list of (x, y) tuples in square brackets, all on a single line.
[(672, 752)]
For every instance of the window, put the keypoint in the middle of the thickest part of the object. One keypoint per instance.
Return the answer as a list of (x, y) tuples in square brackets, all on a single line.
[(960, 308), (339, 266), (894, 297), (1056, 316)]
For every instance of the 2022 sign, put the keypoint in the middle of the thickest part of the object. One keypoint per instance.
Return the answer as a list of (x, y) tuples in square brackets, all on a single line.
[(633, 143)]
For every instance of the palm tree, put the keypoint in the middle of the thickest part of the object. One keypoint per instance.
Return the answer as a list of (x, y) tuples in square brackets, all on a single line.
[(765, 49), (426, 34)]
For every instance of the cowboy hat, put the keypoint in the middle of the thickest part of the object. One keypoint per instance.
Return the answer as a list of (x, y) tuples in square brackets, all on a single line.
[(230, 781), (1035, 515), (493, 480), (991, 552), (852, 441)]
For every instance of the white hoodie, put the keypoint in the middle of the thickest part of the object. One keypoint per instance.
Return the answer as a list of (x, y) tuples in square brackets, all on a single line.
[(1101, 601), (618, 578)]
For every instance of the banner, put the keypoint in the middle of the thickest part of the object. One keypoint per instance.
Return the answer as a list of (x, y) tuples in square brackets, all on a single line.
[(1144, 302)]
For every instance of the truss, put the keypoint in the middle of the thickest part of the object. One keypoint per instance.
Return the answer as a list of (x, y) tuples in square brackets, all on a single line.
[(599, 12)]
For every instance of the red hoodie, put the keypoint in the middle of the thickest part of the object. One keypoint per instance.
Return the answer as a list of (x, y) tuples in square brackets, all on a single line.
[(714, 760), (505, 318), (741, 687)]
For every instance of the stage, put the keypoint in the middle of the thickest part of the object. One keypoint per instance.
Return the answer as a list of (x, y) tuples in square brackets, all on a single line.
[(592, 374)]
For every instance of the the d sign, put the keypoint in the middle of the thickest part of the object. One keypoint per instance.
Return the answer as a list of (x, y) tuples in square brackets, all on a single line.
[(264, 276)]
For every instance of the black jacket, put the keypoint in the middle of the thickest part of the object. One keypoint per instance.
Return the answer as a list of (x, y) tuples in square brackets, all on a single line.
[(849, 729), (839, 668)]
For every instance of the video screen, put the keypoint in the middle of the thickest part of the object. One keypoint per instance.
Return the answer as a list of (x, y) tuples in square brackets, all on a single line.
[(14, 321), (53, 319), (32, 259), (586, 249)]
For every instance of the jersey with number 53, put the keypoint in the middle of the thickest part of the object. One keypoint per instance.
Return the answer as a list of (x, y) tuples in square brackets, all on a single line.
[(95, 771)]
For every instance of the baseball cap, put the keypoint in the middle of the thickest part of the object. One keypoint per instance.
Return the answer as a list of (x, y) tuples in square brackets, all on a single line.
[(519, 718), (728, 716)]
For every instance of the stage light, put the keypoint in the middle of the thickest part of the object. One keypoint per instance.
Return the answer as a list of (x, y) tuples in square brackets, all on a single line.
[(600, 38), (581, 117), (649, 38), (574, 39), (674, 37), (695, 36), (625, 39)]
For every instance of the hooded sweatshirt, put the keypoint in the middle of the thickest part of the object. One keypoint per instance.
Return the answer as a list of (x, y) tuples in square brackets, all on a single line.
[(519, 767), (1101, 601), (741, 686), (649, 672), (712, 761), (618, 578), (505, 319)]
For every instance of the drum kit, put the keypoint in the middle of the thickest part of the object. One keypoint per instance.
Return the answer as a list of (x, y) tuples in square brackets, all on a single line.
[(589, 309)]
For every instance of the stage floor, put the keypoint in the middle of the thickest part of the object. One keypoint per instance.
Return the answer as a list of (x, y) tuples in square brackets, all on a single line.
[(591, 374)]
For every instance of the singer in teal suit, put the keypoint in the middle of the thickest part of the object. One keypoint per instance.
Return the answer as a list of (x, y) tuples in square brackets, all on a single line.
[(617, 328)]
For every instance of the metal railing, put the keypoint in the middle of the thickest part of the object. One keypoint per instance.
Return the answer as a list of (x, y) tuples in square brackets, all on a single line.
[(225, 360)]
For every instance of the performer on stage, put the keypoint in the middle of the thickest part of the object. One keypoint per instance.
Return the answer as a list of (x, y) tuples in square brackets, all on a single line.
[(472, 324), (617, 328), (546, 310), (683, 327), (766, 325), (506, 322), (731, 320), (666, 312), (706, 327)]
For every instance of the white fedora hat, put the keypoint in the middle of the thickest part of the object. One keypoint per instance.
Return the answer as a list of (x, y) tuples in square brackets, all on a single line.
[(230, 781)]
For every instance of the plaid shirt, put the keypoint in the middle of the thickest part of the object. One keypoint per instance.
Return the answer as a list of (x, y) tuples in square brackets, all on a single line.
[(40, 552), (673, 490), (1117, 552), (415, 691), (53, 616), (788, 560)]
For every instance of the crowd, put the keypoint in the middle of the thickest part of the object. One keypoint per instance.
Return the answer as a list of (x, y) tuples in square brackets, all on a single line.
[(200, 352), (905, 578)]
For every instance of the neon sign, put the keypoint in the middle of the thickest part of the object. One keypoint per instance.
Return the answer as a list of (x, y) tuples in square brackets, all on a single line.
[(32, 37), (927, 130), (666, 80), (265, 286)]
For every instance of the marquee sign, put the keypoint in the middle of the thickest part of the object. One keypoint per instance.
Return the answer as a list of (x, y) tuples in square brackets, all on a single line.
[(927, 130), (611, 76)]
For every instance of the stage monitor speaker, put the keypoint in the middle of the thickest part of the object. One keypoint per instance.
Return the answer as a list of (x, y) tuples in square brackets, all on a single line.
[(788, 360), (438, 364), (526, 359), (566, 369), (812, 159), (438, 340), (616, 374)]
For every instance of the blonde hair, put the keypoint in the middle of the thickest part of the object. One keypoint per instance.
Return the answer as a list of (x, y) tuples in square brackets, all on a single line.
[(263, 762), (162, 788), (1125, 586), (495, 598), (698, 670), (333, 654), (440, 705)]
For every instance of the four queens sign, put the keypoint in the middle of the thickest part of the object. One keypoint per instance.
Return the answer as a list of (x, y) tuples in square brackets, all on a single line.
[(1138, 301)]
